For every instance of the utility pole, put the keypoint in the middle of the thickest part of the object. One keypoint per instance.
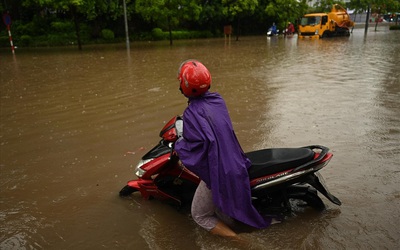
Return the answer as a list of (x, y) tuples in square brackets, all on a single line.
[(367, 20), (126, 27)]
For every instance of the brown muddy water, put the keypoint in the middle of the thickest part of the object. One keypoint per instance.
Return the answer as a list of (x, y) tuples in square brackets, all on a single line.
[(74, 125)]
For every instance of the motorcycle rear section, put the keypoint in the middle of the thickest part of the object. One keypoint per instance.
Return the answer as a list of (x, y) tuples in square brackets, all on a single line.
[(281, 175), (280, 168)]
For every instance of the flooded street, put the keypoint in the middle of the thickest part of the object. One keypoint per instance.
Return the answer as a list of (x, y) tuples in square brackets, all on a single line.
[(73, 126)]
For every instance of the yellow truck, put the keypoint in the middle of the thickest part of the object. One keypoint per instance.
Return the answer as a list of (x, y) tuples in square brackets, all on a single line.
[(319, 25)]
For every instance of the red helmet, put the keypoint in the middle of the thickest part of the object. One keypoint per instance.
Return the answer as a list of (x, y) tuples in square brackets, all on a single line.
[(194, 78)]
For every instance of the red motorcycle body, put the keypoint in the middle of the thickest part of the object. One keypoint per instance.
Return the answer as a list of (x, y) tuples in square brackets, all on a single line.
[(276, 175)]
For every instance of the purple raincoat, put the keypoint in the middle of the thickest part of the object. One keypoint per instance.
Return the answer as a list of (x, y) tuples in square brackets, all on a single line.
[(210, 149)]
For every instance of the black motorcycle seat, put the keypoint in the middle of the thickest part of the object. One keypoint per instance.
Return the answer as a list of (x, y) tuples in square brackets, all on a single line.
[(275, 160)]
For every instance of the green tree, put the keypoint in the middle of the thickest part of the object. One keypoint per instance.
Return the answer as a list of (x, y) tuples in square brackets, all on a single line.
[(375, 6), (80, 9), (286, 11), (168, 12), (211, 16), (238, 9), (382, 7), (62, 5)]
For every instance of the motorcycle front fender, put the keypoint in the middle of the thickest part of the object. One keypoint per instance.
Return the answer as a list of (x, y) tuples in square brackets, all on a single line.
[(146, 187), (134, 184)]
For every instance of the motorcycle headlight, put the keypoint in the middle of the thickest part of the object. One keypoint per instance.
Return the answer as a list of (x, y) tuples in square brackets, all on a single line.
[(139, 171)]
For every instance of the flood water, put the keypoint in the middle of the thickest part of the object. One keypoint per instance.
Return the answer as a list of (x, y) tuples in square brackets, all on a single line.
[(74, 124)]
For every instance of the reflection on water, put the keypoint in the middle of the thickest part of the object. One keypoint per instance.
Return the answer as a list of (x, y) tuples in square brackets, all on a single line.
[(74, 124)]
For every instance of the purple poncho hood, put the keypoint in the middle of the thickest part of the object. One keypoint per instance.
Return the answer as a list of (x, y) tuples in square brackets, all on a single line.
[(210, 149)]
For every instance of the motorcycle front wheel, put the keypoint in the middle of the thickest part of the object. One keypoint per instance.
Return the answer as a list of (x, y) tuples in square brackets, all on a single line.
[(126, 191)]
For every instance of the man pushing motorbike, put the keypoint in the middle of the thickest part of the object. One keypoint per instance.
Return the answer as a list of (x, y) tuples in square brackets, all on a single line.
[(210, 149)]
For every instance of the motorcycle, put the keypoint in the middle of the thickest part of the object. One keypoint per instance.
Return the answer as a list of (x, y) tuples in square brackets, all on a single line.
[(279, 177), (270, 33)]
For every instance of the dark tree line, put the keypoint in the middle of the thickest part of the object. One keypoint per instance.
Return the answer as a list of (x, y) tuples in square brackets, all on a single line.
[(77, 21)]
